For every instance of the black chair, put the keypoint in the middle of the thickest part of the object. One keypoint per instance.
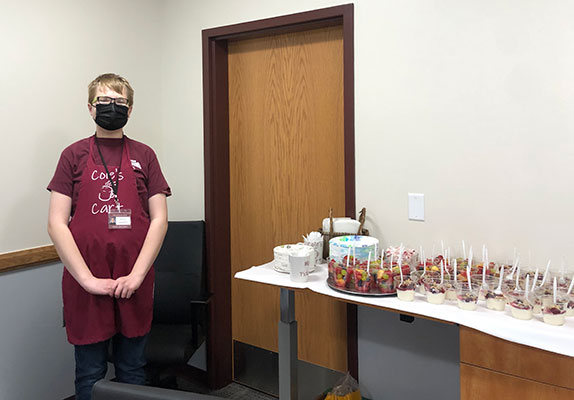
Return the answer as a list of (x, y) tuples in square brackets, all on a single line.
[(180, 299), (106, 390)]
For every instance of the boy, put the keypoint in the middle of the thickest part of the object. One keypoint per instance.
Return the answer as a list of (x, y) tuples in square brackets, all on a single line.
[(108, 219)]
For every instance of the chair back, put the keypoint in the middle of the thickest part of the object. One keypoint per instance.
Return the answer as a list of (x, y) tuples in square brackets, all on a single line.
[(179, 272)]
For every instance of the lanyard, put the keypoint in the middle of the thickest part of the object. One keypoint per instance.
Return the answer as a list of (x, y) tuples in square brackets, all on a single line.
[(117, 184)]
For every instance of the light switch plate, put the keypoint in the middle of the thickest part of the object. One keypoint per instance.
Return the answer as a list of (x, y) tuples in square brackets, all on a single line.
[(416, 206)]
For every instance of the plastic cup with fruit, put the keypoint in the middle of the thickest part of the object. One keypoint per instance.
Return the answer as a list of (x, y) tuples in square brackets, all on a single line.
[(384, 281), (341, 276), (362, 280)]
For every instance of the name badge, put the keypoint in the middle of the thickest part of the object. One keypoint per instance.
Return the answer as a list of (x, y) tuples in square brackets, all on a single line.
[(120, 219)]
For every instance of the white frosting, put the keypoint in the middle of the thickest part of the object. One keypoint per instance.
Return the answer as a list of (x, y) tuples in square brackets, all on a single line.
[(520, 313), (569, 312), (554, 319), (464, 305), (406, 295), (435, 298), (360, 247), (496, 304)]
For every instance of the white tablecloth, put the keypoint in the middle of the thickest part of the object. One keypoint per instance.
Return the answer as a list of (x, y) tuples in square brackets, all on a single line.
[(534, 333)]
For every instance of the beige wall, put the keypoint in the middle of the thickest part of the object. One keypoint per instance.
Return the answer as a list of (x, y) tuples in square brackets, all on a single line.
[(469, 102), (50, 51)]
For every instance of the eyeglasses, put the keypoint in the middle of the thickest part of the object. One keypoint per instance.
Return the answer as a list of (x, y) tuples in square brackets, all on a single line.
[(120, 101)]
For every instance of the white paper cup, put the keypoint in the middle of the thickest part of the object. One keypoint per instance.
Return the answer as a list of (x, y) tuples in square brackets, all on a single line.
[(300, 263), (317, 245)]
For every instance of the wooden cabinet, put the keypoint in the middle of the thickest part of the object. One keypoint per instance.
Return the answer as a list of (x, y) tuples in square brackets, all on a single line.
[(494, 368)]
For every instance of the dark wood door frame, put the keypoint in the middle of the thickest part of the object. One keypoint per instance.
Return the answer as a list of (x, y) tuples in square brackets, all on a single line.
[(216, 167)]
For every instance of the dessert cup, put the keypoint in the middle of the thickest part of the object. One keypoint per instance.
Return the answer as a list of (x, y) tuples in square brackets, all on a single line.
[(450, 294), (406, 288), (466, 296), (554, 313), (570, 305), (435, 290), (495, 301), (521, 307), (488, 285)]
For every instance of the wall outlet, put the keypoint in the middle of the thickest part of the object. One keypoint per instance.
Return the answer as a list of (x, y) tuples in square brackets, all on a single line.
[(416, 206)]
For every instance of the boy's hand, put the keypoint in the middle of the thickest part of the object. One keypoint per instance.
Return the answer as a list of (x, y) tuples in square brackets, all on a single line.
[(103, 287), (127, 285)]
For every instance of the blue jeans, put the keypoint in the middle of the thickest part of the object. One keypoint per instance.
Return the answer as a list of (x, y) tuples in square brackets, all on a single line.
[(92, 363)]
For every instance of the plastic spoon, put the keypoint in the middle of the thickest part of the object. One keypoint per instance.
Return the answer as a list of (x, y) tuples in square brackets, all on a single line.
[(555, 286), (348, 256), (535, 279), (369, 263), (400, 269), (545, 273), (498, 289), (570, 287), (455, 271)]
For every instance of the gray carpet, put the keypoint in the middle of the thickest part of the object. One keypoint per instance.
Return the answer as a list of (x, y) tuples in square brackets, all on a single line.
[(232, 391), (240, 392)]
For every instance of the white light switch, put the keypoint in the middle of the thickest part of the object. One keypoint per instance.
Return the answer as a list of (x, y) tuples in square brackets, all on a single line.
[(416, 206)]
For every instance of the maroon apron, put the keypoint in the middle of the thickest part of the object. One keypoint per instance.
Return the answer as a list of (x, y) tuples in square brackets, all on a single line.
[(109, 253)]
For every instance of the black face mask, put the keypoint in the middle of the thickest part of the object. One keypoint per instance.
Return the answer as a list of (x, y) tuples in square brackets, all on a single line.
[(111, 116)]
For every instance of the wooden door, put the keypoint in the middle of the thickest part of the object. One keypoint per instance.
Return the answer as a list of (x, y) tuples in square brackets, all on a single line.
[(286, 161)]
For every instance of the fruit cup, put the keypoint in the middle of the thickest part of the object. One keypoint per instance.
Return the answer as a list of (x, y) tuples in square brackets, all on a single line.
[(362, 280), (406, 288), (466, 296), (384, 281), (341, 277)]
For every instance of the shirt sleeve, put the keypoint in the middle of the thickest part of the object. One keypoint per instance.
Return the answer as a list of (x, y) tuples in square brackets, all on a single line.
[(63, 180), (156, 180)]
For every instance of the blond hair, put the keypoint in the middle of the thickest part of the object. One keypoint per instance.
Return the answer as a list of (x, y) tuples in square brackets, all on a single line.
[(111, 81)]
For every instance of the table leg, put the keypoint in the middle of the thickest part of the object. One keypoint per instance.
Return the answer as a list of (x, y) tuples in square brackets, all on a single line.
[(287, 346)]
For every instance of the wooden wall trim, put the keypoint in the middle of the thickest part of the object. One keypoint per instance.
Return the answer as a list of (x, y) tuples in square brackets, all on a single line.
[(217, 213), (216, 162), (27, 258)]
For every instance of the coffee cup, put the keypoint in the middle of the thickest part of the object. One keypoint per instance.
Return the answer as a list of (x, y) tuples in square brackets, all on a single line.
[(299, 265), (317, 245)]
